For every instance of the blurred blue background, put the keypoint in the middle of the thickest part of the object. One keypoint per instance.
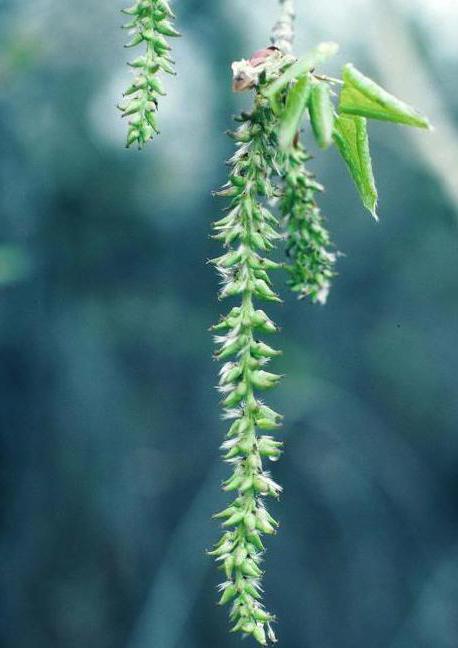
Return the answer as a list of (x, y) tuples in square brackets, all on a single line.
[(110, 423)]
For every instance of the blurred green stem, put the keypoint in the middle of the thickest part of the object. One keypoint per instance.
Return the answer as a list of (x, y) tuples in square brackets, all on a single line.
[(283, 30)]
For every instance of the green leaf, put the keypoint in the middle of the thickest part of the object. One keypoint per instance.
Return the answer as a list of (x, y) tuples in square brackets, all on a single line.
[(301, 67), (322, 114), (296, 103), (350, 136), (362, 96)]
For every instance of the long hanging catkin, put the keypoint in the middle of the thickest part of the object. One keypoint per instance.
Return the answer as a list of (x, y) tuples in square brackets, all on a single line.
[(267, 172), (249, 232)]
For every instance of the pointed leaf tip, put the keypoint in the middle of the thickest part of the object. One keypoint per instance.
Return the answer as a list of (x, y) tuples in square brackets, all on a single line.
[(363, 97), (350, 137)]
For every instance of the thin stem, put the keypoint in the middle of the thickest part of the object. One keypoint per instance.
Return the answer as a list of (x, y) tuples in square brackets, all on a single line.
[(283, 30)]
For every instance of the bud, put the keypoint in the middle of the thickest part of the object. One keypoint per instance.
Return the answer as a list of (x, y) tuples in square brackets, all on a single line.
[(233, 483), (262, 615), (263, 524), (264, 379), (249, 568), (254, 538), (233, 288), (260, 635), (132, 107), (263, 291), (164, 5), (138, 62), (228, 594), (240, 555), (265, 412), (235, 396), (260, 485), (230, 349), (166, 28), (230, 510), (262, 321), (228, 566), (133, 136), (166, 66), (258, 241), (130, 11), (246, 484), (251, 590), (267, 424), (235, 519), (262, 350), (136, 40), (250, 521)]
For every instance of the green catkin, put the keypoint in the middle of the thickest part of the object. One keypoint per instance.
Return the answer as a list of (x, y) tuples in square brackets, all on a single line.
[(150, 24), (268, 146), (310, 253), (248, 231)]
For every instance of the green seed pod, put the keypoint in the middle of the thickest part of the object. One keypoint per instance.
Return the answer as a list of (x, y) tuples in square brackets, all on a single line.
[(321, 111)]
